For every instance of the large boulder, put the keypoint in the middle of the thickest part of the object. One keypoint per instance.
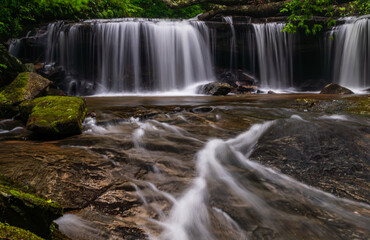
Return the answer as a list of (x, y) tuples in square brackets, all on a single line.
[(333, 88), (215, 89), (10, 67), (26, 86), (54, 116)]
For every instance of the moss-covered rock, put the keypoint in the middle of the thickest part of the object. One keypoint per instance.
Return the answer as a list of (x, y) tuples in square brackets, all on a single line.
[(54, 116), (26, 86), (20, 207), (11, 67), (15, 233)]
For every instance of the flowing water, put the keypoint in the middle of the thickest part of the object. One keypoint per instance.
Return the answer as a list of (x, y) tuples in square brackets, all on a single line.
[(252, 167), (153, 55)]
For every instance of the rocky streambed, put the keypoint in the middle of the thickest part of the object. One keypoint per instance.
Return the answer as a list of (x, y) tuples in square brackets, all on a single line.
[(233, 167)]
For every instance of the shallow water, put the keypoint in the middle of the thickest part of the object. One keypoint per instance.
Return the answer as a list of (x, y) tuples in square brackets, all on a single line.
[(236, 167)]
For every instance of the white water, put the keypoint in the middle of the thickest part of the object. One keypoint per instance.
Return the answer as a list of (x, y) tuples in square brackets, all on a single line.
[(131, 56), (275, 55), (191, 215), (351, 45)]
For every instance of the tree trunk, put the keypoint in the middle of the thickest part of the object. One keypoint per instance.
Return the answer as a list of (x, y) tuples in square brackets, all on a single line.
[(261, 10)]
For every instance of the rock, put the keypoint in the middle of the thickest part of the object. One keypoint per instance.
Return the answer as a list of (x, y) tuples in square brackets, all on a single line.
[(215, 89), (30, 67), (54, 92), (26, 86), (22, 208), (333, 88), (271, 92), (10, 67), (54, 116), (246, 89)]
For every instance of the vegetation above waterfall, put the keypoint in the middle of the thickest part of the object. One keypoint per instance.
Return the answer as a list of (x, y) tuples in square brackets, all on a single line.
[(17, 16)]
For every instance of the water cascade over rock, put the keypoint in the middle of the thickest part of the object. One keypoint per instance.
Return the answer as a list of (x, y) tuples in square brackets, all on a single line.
[(152, 55), (130, 55), (350, 44)]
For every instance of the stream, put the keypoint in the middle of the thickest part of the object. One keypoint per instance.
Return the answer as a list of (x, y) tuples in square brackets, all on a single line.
[(234, 167)]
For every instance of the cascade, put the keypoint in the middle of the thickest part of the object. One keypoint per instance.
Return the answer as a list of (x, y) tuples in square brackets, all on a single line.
[(129, 55), (152, 55), (275, 55), (350, 44)]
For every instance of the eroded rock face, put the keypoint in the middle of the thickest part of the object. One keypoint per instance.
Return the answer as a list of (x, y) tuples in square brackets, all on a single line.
[(26, 86), (54, 116), (10, 68), (333, 88), (215, 89)]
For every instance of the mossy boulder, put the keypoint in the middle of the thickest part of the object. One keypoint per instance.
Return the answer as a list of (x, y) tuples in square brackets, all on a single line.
[(21, 207), (10, 67), (54, 116), (333, 88), (26, 86)]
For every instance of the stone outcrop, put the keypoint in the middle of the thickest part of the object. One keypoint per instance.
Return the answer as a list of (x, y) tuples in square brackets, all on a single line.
[(26, 86)]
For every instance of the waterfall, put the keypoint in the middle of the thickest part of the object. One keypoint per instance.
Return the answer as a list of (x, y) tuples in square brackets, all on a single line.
[(275, 55), (351, 45), (129, 55)]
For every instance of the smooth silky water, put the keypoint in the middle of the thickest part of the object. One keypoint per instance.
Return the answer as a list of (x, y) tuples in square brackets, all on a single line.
[(204, 168)]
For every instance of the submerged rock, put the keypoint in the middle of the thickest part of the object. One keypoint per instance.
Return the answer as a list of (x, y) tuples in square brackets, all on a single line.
[(54, 116), (26, 86), (21, 208), (10, 67), (333, 88), (215, 89)]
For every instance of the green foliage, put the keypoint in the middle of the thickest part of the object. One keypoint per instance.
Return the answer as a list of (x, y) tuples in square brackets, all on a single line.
[(16, 14), (303, 10)]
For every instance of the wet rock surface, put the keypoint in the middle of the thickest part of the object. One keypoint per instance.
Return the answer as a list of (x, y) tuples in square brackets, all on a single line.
[(333, 88), (138, 157), (215, 89)]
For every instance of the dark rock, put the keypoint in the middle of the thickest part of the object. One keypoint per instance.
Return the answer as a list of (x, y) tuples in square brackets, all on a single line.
[(202, 110), (51, 72), (10, 67), (271, 92), (22, 208), (333, 88), (215, 89), (260, 91), (26, 86), (367, 90), (54, 92), (54, 116)]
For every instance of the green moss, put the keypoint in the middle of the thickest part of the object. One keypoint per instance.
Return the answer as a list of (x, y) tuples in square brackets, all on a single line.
[(14, 92), (26, 194), (359, 105), (55, 115), (14, 233)]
